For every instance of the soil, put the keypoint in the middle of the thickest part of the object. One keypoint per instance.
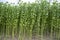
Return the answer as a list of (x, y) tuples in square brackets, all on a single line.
[(2, 37)]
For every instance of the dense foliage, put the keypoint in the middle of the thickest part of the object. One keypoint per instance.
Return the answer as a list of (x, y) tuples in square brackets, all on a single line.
[(30, 19)]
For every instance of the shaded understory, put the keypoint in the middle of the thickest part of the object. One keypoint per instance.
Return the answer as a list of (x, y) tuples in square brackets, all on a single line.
[(44, 37)]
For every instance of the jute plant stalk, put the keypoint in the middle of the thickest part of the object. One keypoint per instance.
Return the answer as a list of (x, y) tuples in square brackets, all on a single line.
[(43, 18), (21, 25)]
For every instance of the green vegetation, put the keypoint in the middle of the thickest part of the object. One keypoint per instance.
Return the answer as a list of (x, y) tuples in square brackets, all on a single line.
[(32, 19)]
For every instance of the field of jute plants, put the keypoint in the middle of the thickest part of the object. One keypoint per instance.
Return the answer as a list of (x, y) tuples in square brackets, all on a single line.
[(30, 21)]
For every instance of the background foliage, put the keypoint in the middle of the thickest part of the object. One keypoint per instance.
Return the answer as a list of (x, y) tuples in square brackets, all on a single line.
[(37, 18)]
